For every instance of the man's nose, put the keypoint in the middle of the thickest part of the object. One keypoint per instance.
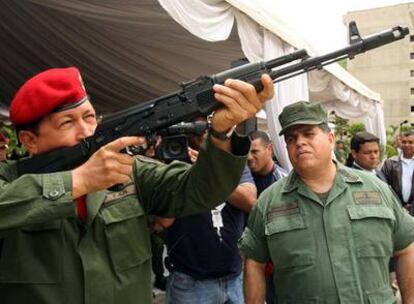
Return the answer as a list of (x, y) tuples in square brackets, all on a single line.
[(84, 130), (300, 140)]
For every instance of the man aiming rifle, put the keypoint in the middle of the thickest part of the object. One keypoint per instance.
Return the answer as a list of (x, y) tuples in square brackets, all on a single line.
[(63, 237)]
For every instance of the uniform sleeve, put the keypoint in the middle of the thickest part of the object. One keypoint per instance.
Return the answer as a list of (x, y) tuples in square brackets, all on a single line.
[(179, 189), (404, 229), (253, 240), (34, 198)]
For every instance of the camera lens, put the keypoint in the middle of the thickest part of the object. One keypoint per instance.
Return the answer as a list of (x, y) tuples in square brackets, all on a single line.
[(175, 148)]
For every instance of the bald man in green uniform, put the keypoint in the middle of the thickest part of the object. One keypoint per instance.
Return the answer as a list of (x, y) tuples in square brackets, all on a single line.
[(329, 230), (63, 237)]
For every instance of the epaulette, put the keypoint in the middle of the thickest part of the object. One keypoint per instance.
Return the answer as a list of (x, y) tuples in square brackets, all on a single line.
[(350, 177)]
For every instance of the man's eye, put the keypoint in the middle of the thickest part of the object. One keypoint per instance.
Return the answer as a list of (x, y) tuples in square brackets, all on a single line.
[(89, 117), (65, 123)]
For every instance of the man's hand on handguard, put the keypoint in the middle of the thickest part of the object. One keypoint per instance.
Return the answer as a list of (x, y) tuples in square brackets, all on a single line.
[(107, 167), (241, 102)]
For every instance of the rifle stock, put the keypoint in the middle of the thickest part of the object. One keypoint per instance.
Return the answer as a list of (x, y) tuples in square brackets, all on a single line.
[(195, 98)]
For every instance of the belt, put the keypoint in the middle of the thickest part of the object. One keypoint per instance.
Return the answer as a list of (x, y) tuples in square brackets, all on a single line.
[(176, 268)]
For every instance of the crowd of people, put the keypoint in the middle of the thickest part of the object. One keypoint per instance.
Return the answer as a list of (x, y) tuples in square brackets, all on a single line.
[(237, 227), (396, 171)]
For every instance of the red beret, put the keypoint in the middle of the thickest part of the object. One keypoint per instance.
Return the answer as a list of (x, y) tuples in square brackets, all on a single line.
[(51, 90)]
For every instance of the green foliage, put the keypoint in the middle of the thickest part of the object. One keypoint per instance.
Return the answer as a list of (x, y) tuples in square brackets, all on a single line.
[(355, 128), (13, 147), (405, 128), (390, 150), (340, 125), (391, 132), (343, 129)]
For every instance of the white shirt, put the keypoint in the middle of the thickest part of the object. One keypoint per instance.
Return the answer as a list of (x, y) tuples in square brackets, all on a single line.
[(407, 166)]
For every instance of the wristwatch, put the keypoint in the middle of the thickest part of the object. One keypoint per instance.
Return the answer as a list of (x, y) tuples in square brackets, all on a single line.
[(222, 135)]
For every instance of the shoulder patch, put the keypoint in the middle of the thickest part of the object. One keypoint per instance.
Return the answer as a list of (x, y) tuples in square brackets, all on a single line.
[(367, 197), (127, 191)]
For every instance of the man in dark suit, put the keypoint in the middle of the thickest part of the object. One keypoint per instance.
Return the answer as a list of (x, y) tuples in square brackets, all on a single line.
[(365, 150), (398, 171)]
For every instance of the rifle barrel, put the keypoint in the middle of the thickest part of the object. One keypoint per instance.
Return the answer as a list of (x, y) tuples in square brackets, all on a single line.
[(358, 47), (299, 54)]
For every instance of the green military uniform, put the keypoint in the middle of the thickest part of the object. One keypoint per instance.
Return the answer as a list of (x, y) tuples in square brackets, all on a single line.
[(329, 251), (48, 256)]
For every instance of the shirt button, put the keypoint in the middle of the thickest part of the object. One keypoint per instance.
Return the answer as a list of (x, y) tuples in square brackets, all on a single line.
[(54, 193)]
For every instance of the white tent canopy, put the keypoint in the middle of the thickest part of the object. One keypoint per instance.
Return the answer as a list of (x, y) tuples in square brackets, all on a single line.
[(130, 52), (264, 35)]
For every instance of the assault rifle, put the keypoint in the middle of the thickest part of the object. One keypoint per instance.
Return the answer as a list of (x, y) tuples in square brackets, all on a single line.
[(195, 98)]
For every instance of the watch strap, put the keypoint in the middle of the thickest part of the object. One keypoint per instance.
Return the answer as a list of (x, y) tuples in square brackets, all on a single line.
[(221, 135)]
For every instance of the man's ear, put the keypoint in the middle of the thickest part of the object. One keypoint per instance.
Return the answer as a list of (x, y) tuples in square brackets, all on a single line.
[(28, 140), (270, 147), (354, 153), (332, 139)]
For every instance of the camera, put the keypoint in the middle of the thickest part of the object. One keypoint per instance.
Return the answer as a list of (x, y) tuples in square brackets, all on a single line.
[(174, 144)]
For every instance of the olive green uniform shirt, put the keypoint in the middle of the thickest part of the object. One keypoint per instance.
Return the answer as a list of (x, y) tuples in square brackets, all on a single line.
[(337, 252), (48, 256)]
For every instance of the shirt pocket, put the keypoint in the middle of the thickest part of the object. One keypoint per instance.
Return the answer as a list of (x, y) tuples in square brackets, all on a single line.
[(372, 230), (290, 242), (32, 255), (383, 295), (126, 233)]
